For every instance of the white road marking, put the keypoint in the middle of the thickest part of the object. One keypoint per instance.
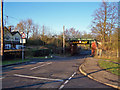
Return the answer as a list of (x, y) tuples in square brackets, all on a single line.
[(66, 82), (32, 62), (40, 66), (32, 77), (62, 86), (8, 66), (2, 77), (70, 78), (41, 62)]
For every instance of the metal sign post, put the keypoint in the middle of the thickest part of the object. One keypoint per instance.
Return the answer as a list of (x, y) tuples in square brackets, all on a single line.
[(22, 51), (23, 40)]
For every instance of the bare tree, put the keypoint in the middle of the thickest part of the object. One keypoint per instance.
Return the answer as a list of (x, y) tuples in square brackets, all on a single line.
[(29, 24), (86, 35), (21, 26), (25, 26), (35, 32), (43, 32), (104, 21), (72, 33)]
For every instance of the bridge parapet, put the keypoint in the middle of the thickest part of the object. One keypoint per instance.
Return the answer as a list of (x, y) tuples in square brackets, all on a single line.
[(81, 40)]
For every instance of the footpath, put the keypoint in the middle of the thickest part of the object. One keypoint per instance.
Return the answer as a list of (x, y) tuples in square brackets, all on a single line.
[(91, 69)]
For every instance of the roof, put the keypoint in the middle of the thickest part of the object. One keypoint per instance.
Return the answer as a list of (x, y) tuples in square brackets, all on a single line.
[(13, 33)]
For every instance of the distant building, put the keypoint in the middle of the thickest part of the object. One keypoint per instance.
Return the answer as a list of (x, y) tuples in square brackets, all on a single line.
[(12, 39)]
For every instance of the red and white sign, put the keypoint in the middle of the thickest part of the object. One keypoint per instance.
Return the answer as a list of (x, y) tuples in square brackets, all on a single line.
[(23, 35)]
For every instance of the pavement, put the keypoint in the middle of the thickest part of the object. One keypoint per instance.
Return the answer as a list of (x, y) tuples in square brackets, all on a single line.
[(91, 69)]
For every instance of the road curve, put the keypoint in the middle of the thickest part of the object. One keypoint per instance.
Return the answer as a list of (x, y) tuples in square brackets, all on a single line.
[(59, 73)]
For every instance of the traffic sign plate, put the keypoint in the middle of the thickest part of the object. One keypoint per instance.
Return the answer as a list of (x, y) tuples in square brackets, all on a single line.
[(22, 40), (23, 35)]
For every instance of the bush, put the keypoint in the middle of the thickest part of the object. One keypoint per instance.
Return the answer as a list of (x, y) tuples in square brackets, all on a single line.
[(35, 42), (12, 55), (42, 52)]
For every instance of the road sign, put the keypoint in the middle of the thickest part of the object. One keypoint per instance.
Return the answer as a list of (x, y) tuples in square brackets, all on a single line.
[(23, 35), (22, 40)]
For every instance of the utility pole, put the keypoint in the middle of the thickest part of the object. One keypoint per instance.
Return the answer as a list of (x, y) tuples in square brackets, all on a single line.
[(2, 31), (43, 32), (63, 39)]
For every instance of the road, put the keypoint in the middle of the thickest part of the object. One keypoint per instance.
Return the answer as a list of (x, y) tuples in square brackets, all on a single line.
[(59, 73)]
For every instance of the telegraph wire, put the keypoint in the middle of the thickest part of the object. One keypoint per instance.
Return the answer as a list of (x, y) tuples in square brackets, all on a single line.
[(11, 17), (6, 19)]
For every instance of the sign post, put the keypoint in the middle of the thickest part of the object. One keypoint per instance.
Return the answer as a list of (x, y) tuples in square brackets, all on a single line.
[(22, 51), (23, 40)]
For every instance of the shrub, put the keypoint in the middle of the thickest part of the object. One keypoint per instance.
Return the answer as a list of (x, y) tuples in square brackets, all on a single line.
[(42, 52)]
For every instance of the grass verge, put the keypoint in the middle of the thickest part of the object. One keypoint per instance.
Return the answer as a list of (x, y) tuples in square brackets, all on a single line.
[(6, 62), (43, 57), (63, 55), (109, 66), (112, 59)]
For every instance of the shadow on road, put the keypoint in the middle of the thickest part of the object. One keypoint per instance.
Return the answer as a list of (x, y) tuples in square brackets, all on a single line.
[(81, 55), (30, 85), (78, 56), (36, 84)]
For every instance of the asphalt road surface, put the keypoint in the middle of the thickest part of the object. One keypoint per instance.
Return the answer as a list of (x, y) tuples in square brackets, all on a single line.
[(58, 73)]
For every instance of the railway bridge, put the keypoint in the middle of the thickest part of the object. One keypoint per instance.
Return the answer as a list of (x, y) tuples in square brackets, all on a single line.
[(75, 42)]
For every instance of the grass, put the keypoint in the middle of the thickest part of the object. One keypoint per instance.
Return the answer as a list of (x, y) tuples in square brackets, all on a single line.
[(115, 68), (6, 62), (114, 59), (63, 55), (42, 57)]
